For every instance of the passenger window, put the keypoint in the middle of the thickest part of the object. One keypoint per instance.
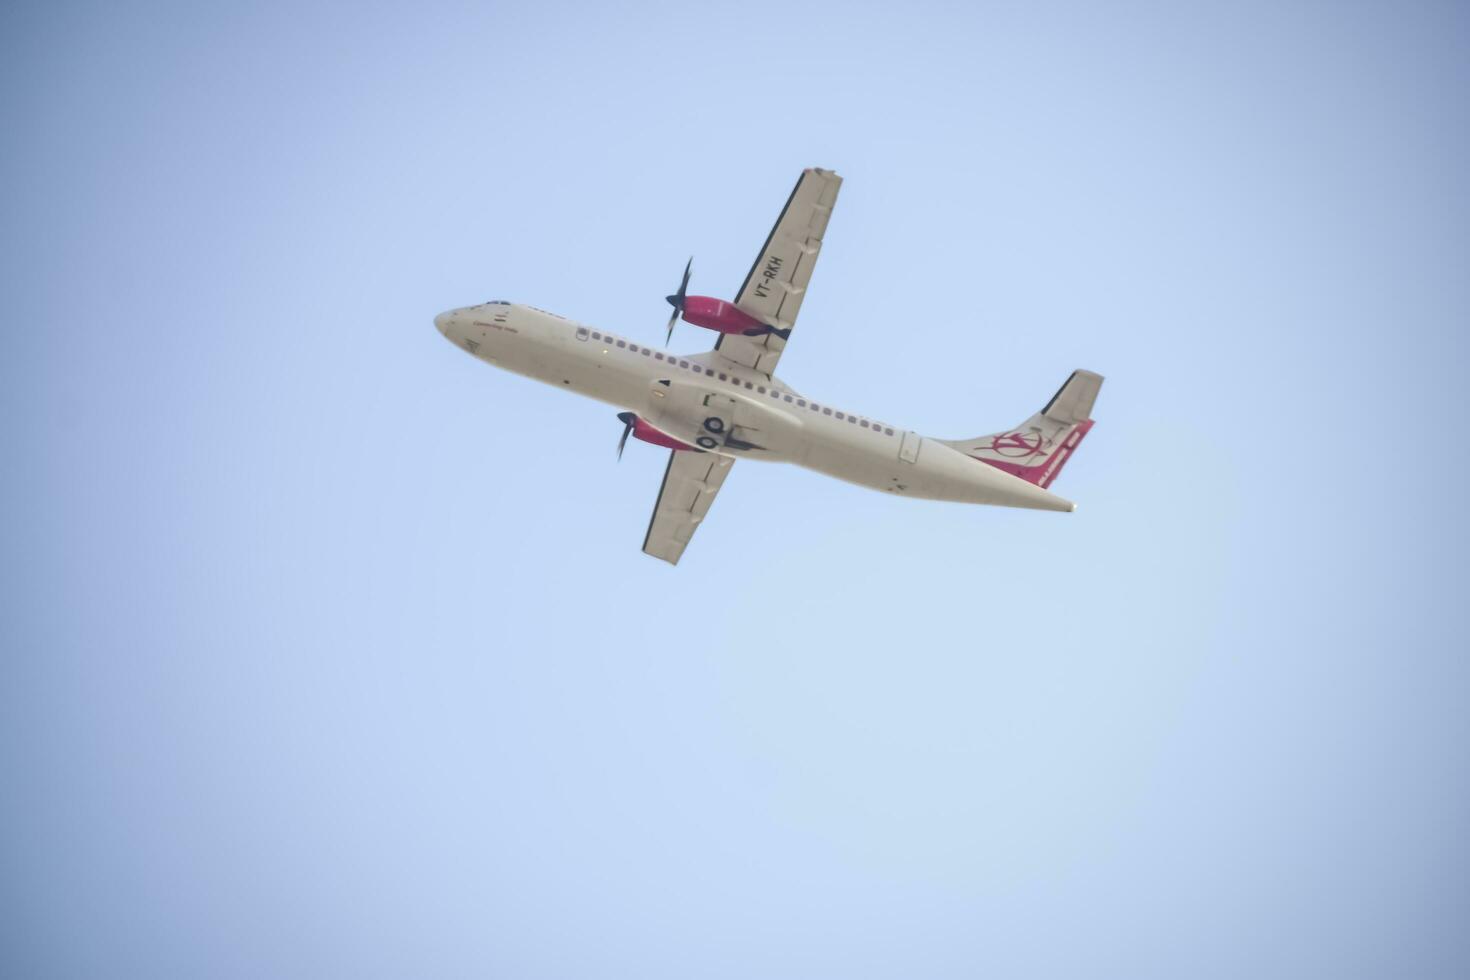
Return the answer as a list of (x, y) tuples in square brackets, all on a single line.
[(864, 423), (762, 389), (788, 398), (622, 343), (840, 416), (852, 419), (683, 364), (826, 411), (596, 335), (581, 333), (801, 403), (658, 356), (722, 376), (749, 386), (888, 432)]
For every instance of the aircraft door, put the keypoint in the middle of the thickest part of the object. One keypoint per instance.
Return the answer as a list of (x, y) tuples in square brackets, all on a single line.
[(908, 450)]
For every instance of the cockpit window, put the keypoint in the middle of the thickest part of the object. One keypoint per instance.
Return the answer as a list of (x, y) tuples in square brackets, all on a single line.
[(497, 302)]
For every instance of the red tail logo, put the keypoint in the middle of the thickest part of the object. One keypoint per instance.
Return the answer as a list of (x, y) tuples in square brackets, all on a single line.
[(1016, 445)]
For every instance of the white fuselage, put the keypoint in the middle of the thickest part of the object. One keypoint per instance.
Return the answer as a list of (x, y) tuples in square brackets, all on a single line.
[(762, 417)]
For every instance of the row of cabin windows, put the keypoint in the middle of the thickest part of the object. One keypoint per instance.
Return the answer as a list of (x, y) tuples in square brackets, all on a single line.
[(697, 369)]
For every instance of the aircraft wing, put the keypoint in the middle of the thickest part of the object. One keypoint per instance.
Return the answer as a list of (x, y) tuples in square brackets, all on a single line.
[(777, 282), (690, 484)]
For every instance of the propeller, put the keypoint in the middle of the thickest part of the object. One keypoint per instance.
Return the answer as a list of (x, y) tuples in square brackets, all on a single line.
[(627, 418), (677, 301)]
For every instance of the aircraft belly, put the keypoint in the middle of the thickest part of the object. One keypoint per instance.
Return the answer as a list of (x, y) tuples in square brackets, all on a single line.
[(518, 358), (611, 383), (571, 365), (871, 461), (721, 421)]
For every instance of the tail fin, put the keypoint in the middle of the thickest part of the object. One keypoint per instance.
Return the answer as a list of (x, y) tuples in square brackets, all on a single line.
[(1037, 449)]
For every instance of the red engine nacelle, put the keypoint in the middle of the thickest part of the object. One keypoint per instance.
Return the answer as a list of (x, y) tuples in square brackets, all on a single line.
[(716, 314), (642, 430)]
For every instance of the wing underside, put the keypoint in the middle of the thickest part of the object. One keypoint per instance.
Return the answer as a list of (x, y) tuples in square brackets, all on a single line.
[(776, 284), (690, 483), (772, 293)]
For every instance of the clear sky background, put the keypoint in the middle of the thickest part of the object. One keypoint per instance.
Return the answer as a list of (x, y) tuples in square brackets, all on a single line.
[(330, 651)]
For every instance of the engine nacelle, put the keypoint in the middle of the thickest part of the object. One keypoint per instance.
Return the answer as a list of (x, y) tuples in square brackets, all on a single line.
[(642, 430), (716, 314)]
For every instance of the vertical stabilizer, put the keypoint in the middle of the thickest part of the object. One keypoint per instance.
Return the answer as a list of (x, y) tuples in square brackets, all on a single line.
[(1038, 448)]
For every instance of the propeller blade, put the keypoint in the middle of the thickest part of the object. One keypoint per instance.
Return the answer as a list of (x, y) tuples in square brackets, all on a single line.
[(677, 300), (628, 418)]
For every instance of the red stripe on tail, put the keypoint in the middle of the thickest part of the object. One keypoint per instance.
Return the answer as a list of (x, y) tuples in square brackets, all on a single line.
[(1042, 474)]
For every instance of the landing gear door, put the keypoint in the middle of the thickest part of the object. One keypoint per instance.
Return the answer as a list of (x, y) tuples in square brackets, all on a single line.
[(718, 421), (908, 450), (690, 414)]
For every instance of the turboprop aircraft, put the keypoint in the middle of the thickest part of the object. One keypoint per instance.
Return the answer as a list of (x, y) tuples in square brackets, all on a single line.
[(727, 404)]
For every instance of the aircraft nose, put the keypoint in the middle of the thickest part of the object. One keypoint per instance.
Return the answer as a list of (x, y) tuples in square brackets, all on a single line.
[(442, 322)]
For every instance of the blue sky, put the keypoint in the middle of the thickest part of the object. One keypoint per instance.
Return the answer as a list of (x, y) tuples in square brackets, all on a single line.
[(331, 651)]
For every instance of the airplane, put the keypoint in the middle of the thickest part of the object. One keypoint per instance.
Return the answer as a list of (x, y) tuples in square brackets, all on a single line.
[(712, 409)]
